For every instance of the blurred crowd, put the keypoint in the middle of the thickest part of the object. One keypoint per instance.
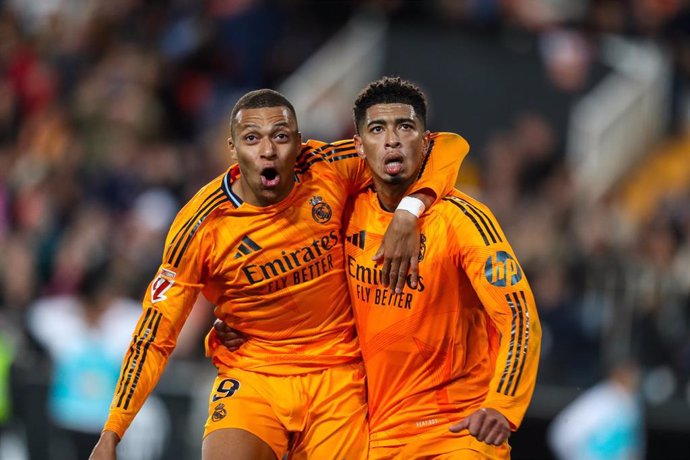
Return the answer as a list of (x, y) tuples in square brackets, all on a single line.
[(113, 113)]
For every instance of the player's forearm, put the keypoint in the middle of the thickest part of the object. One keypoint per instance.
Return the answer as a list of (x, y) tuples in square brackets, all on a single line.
[(515, 373), (142, 367), (105, 449)]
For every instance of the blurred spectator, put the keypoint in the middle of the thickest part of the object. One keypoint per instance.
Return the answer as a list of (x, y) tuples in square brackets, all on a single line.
[(603, 423), (85, 336)]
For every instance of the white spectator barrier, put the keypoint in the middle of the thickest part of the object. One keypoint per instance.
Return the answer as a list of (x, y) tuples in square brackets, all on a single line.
[(621, 118)]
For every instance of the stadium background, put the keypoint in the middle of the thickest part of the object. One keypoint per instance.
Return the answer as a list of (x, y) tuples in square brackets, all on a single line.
[(113, 113)]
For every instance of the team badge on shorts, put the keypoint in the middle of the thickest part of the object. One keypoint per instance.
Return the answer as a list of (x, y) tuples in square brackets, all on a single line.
[(320, 210), (219, 413)]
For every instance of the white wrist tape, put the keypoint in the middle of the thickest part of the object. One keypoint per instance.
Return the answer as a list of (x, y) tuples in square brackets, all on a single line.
[(412, 205)]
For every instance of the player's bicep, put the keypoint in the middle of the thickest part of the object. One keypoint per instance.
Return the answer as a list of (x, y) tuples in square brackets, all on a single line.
[(347, 167), (489, 261), (441, 165)]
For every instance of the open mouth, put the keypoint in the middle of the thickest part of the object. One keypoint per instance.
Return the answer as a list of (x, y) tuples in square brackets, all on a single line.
[(392, 164), (270, 177)]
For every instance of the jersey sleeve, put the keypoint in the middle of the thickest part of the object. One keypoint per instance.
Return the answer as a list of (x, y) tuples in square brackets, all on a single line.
[(438, 172), (338, 158), (500, 283), (441, 165), (166, 305)]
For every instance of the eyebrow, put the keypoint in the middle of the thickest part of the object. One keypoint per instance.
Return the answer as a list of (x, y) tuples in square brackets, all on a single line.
[(397, 121), (280, 124)]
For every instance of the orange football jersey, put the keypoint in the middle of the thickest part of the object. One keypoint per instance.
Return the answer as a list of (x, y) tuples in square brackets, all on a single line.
[(275, 273), (467, 336)]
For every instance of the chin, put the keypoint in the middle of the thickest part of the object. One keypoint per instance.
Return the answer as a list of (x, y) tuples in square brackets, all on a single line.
[(396, 180)]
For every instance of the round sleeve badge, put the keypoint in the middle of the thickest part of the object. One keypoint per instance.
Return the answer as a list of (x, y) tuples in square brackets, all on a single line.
[(502, 270)]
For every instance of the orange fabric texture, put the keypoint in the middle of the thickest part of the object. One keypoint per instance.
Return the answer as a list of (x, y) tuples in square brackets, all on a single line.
[(467, 336), (273, 406), (441, 444), (275, 273)]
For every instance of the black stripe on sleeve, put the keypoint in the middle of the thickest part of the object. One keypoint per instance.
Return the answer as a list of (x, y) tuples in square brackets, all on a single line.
[(179, 236), (316, 156), (526, 345), (465, 211), (192, 232), (199, 218), (512, 345), (482, 215), (143, 358), (131, 351), (139, 341), (342, 157), (518, 347)]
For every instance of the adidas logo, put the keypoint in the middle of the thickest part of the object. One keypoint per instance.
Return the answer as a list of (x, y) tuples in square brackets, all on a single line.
[(357, 239), (246, 247)]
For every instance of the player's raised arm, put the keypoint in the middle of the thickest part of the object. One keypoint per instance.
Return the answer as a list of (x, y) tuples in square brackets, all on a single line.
[(166, 305), (501, 285), (444, 153), (440, 166)]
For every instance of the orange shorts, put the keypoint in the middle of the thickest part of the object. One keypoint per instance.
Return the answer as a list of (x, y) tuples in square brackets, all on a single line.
[(316, 415), (441, 444)]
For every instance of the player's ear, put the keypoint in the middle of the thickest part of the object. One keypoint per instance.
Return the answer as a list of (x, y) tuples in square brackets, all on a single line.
[(359, 147), (426, 141), (232, 149)]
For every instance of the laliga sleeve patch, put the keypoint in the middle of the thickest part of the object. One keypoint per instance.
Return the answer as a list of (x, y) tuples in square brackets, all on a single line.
[(502, 270), (159, 287)]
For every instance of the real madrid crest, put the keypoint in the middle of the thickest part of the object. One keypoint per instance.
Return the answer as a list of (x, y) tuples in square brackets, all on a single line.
[(320, 210), (422, 246), (219, 413)]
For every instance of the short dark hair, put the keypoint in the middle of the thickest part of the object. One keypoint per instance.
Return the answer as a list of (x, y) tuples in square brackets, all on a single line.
[(259, 99), (389, 90)]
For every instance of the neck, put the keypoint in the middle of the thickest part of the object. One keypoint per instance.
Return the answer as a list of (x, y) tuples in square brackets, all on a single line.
[(389, 195)]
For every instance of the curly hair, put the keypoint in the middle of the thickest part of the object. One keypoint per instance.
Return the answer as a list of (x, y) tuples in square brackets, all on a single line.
[(389, 90)]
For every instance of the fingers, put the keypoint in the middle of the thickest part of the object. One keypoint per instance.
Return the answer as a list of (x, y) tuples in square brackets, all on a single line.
[(414, 271), (488, 426), (234, 344), (400, 280), (385, 272), (461, 425), (379, 255), (476, 422), (229, 337), (485, 428), (498, 435)]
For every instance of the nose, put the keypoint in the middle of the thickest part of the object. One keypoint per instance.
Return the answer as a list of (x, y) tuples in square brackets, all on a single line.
[(392, 139), (268, 150)]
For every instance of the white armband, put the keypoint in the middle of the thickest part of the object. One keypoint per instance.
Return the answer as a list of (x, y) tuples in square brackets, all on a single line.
[(412, 205)]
